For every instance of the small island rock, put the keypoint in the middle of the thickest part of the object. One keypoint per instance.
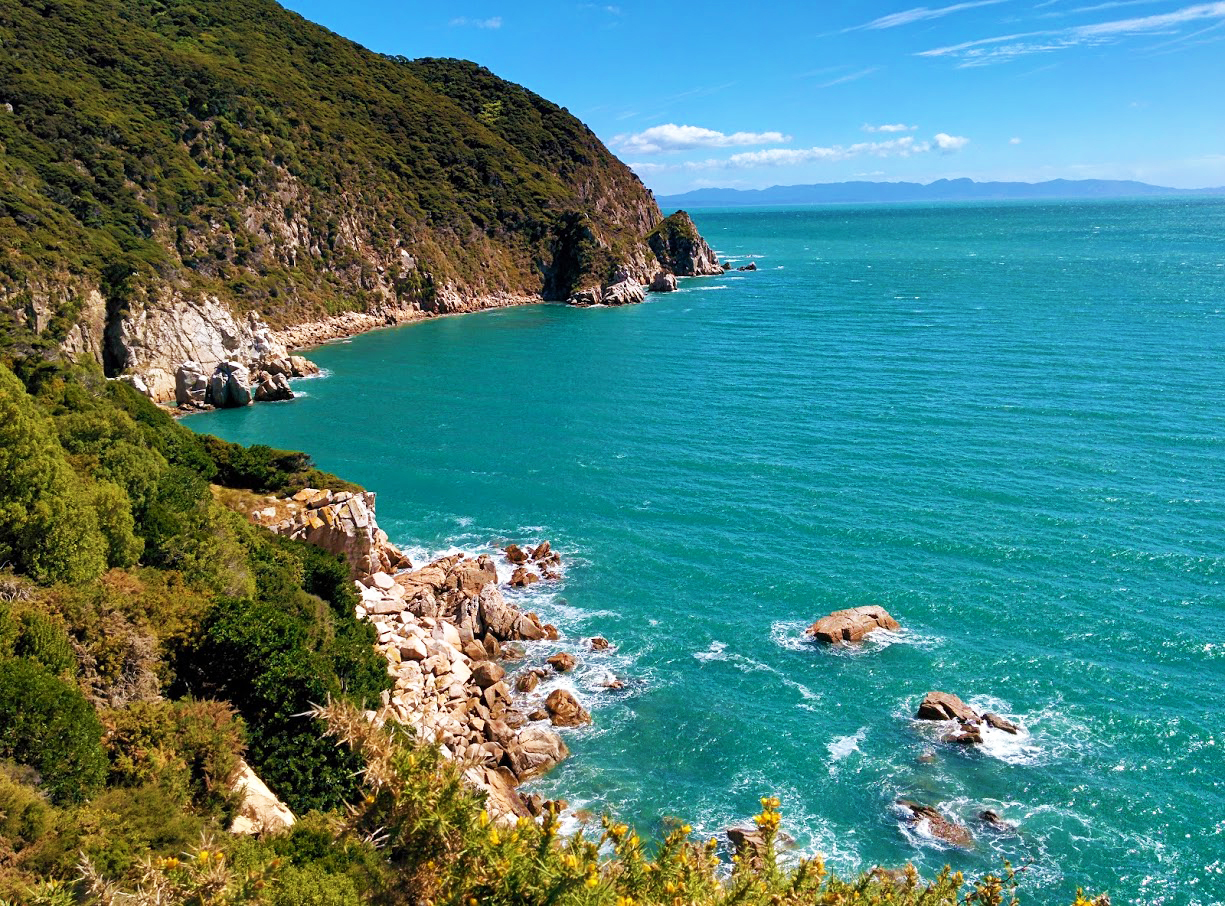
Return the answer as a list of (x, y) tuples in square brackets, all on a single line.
[(851, 625)]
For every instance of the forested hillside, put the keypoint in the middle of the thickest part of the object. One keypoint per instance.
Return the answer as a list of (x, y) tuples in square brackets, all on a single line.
[(153, 152)]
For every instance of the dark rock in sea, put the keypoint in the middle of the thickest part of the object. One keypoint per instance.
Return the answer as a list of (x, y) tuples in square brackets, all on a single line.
[(598, 643), (562, 662), (516, 555), (1000, 723), (751, 266), (543, 552), (851, 625), (968, 735), (926, 818), (992, 820)]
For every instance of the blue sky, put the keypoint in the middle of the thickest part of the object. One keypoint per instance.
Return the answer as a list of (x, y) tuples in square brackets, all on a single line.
[(732, 94)]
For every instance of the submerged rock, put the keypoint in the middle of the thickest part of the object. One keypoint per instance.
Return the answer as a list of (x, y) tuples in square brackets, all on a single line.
[(851, 625), (925, 817)]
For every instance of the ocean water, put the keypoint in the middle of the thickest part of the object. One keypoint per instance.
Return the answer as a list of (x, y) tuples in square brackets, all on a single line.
[(1004, 423)]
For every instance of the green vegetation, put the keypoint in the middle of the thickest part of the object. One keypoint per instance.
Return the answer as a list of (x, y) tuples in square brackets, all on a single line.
[(233, 148)]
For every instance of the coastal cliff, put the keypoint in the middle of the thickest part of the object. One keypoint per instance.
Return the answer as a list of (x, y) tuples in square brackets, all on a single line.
[(168, 169)]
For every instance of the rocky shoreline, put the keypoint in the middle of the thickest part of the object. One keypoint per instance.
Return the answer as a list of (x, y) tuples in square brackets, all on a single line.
[(352, 323), (452, 643)]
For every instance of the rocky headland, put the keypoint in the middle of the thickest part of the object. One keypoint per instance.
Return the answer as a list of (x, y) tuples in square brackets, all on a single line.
[(453, 643)]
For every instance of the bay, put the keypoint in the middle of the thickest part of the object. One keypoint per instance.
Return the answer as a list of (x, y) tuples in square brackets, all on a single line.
[(1004, 423)]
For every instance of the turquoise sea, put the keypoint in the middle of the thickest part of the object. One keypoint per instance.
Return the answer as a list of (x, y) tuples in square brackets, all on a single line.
[(1004, 423)]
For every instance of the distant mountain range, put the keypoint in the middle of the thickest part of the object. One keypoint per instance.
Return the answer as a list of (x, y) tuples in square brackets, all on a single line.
[(940, 190)]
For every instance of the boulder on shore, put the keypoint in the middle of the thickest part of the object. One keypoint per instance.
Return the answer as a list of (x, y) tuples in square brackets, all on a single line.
[(851, 625), (271, 388), (927, 818), (230, 385), (191, 385)]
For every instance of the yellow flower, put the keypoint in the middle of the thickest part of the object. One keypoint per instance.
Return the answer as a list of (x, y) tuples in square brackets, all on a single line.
[(484, 818), (592, 881), (494, 838), (686, 828)]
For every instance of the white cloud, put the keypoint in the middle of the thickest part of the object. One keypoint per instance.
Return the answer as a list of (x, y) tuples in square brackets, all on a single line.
[(671, 137), (985, 51), (889, 127), (950, 143), (464, 22), (920, 14), (1014, 141)]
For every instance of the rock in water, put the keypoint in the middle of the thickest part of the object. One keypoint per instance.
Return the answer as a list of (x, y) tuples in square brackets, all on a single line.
[(536, 750), (562, 662), (943, 706), (937, 825), (1000, 723), (272, 388), (751, 266), (681, 250), (851, 625), (663, 282), (564, 709)]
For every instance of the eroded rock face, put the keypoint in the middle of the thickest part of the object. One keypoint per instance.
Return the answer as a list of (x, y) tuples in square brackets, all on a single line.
[(344, 524), (681, 250), (663, 282), (261, 812), (851, 625), (623, 292), (229, 387), (191, 385), (926, 818)]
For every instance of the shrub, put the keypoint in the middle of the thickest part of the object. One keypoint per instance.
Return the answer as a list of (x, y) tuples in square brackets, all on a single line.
[(189, 748), (46, 723), (42, 639)]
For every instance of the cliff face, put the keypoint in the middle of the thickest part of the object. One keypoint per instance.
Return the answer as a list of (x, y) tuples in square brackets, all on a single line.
[(681, 249), (169, 166)]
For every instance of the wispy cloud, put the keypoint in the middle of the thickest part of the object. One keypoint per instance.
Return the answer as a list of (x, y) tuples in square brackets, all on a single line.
[(921, 14), (1014, 141), (888, 127), (850, 77), (1001, 49), (494, 22), (671, 137), (907, 146)]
